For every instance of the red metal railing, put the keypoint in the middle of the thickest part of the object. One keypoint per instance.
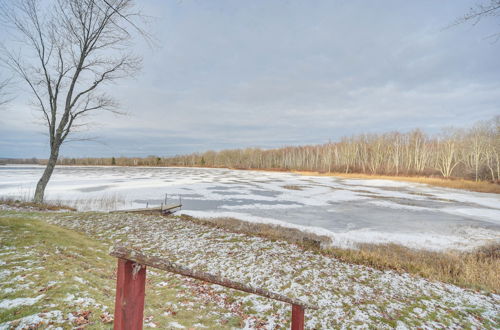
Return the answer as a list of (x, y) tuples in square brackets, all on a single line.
[(131, 282)]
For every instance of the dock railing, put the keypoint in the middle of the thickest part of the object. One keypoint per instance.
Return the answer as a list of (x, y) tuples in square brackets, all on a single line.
[(131, 281)]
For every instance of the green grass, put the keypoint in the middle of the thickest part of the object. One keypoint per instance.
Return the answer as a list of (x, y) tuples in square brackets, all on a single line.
[(59, 263), (52, 261)]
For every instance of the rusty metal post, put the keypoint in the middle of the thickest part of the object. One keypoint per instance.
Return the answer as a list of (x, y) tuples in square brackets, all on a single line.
[(297, 317), (129, 301)]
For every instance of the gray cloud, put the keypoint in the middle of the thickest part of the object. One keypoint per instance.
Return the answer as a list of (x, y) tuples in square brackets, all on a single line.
[(261, 73)]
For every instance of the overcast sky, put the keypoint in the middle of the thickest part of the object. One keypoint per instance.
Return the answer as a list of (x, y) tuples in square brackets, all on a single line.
[(230, 74)]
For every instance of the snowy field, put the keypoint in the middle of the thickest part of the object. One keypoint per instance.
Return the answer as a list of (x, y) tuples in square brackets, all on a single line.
[(348, 296), (347, 210), (59, 288)]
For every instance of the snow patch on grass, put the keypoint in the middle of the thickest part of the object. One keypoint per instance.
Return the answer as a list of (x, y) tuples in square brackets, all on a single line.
[(176, 325), (347, 295), (13, 303), (34, 321)]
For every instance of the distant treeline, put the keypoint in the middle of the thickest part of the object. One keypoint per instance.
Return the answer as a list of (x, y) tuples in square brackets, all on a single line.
[(472, 153), (4, 161)]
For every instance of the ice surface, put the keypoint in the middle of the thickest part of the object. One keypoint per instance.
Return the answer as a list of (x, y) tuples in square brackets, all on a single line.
[(348, 210)]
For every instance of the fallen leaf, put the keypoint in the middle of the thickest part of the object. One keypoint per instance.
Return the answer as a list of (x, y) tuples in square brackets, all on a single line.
[(106, 318)]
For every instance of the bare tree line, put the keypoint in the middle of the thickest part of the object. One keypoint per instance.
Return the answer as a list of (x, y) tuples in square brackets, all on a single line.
[(472, 153)]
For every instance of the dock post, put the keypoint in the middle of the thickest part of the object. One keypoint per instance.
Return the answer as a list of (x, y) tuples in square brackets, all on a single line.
[(297, 317), (129, 301)]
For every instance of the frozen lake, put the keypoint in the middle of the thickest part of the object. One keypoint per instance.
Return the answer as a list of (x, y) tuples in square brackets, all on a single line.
[(347, 210)]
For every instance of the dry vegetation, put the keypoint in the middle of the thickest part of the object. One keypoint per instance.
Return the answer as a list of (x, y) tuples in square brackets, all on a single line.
[(269, 231), (26, 204), (480, 186), (108, 202), (476, 269)]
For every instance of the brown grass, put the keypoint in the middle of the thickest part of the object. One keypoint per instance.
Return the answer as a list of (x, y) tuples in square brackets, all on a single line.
[(35, 206), (478, 269), (480, 186), (270, 231)]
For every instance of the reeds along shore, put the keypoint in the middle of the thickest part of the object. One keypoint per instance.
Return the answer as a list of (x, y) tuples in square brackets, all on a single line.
[(454, 183)]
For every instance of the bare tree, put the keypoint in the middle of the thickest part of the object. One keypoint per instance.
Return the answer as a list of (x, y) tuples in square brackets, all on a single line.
[(447, 157), (3, 91), (488, 8), (70, 49), (492, 149)]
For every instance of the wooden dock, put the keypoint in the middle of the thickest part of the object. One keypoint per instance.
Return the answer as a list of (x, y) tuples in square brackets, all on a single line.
[(163, 209)]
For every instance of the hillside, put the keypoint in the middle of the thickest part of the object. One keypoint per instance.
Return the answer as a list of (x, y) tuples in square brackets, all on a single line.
[(42, 263)]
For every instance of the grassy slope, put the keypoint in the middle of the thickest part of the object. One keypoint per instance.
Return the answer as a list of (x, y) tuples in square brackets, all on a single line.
[(36, 252), (57, 263), (347, 294), (73, 274)]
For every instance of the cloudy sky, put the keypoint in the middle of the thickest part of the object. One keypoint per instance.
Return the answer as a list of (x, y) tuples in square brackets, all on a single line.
[(228, 74)]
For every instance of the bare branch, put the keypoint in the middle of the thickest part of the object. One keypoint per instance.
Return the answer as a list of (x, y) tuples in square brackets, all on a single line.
[(4, 92), (479, 12)]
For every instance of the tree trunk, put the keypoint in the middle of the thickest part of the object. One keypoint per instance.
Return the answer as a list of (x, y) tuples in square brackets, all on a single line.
[(47, 173)]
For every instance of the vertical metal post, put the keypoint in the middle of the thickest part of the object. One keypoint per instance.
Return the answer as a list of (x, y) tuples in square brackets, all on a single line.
[(297, 317), (129, 301), (166, 197)]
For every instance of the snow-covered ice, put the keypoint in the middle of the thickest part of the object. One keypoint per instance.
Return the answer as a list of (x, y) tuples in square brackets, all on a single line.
[(347, 210)]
